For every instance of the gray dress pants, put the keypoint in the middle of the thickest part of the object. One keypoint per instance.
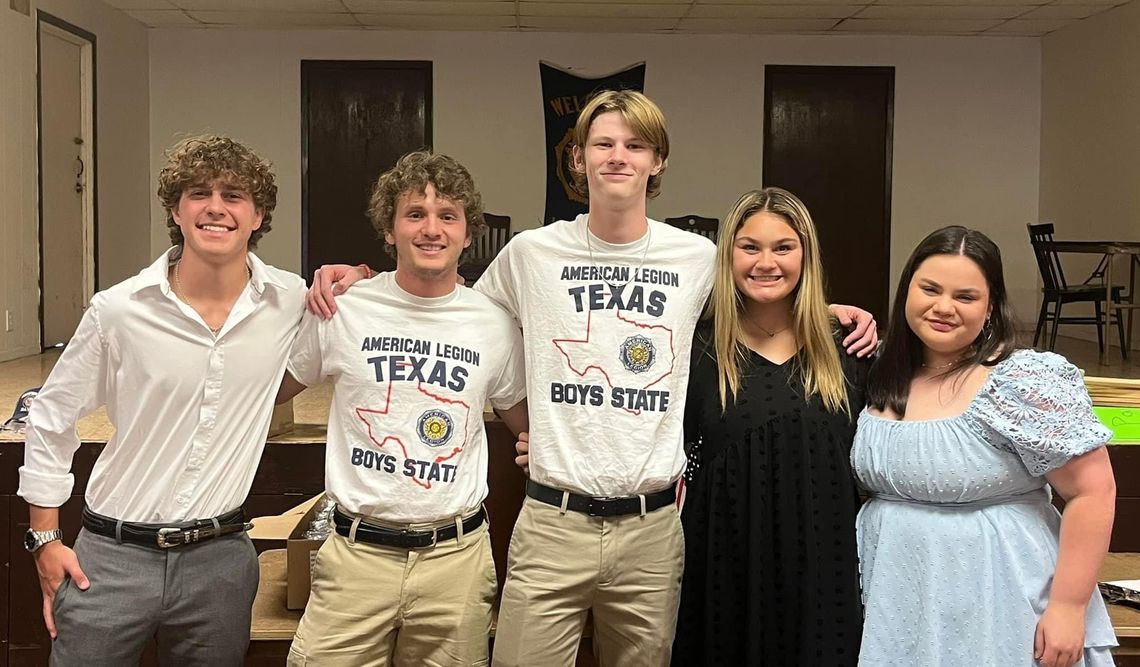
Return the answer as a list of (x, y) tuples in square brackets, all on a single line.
[(194, 600)]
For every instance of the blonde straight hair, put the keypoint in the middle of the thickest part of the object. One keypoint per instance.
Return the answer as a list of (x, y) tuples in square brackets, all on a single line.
[(817, 358)]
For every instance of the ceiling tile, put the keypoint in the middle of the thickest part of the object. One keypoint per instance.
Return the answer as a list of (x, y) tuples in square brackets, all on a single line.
[(1065, 12), (314, 6), (434, 8), (408, 7), (280, 19), (606, 2), (966, 3), (916, 26), (140, 4), (162, 18), (585, 24), (421, 22), (942, 12), (1030, 26), (722, 25), (788, 11), (762, 3), (601, 10)]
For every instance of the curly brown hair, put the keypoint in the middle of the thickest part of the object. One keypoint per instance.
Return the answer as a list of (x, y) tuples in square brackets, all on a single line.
[(644, 118), (207, 158), (412, 173)]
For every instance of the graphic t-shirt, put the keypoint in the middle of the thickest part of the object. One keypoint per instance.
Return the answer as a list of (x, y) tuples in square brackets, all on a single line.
[(411, 375), (607, 330)]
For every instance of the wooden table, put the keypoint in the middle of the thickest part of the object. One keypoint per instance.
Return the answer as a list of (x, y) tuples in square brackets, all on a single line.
[(1111, 249), (1125, 620)]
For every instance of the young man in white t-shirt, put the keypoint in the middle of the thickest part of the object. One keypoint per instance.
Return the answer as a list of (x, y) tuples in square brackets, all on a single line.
[(408, 578), (608, 303)]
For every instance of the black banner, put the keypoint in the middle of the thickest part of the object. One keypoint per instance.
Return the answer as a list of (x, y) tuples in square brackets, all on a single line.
[(563, 97)]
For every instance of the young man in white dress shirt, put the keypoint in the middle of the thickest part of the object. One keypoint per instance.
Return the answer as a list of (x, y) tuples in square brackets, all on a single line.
[(407, 578), (187, 357)]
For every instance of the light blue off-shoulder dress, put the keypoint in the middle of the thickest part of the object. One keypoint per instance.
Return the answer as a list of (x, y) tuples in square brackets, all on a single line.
[(959, 542)]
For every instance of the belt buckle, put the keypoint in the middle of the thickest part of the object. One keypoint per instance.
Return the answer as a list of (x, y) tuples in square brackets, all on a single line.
[(596, 505), (434, 538), (184, 536), (164, 534)]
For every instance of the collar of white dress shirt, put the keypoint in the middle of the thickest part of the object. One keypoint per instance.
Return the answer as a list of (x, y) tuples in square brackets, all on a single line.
[(157, 275)]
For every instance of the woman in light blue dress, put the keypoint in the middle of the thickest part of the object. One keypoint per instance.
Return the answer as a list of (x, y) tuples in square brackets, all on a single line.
[(964, 562)]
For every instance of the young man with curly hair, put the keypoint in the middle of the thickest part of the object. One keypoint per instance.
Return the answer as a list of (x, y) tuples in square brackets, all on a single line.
[(187, 357), (408, 577)]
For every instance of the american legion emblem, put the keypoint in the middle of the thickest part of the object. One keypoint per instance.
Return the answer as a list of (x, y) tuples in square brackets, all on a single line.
[(638, 354), (434, 427)]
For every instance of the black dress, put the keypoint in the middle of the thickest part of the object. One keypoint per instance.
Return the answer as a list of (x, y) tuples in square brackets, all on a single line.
[(771, 568)]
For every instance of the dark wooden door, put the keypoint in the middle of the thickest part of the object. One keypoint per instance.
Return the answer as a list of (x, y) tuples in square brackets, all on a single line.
[(357, 119), (827, 138)]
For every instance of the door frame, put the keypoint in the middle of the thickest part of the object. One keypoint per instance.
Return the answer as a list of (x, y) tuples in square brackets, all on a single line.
[(56, 26), (308, 68)]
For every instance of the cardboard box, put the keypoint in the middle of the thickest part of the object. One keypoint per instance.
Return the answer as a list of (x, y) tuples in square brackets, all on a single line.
[(300, 553)]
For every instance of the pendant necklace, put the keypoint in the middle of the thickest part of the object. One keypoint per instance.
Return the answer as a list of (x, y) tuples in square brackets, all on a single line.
[(644, 254), (179, 292)]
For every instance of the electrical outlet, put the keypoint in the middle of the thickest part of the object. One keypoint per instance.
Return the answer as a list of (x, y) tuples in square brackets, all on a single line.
[(8, 321)]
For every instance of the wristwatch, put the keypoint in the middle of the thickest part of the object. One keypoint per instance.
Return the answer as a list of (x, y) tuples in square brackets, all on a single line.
[(34, 539)]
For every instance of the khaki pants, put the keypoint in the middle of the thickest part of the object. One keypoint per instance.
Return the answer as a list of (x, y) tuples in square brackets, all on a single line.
[(627, 570), (379, 606)]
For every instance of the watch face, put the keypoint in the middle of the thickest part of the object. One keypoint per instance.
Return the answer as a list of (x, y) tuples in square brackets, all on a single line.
[(29, 541)]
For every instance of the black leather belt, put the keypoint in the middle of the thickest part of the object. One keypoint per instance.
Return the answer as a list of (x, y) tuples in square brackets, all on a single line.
[(405, 539), (601, 506), (163, 535)]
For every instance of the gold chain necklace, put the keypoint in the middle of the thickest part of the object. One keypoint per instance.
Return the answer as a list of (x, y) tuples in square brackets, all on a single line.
[(942, 366), (771, 334), (180, 293)]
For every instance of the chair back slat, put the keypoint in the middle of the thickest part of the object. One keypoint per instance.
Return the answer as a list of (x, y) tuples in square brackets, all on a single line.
[(1048, 263), (706, 227), (493, 239)]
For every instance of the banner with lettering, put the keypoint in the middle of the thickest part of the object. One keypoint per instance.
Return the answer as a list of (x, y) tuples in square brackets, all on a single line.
[(563, 96)]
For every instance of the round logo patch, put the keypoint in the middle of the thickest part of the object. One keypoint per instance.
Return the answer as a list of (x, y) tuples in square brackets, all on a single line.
[(638, 354), (434, 428)]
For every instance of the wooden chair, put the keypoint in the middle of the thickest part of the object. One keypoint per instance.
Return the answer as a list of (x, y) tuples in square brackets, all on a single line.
[(492, 241), (706, 227), (1056, 292)]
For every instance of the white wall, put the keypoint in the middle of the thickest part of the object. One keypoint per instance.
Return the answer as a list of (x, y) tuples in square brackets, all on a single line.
[(966, 116), (123, 157), (1090, 133)]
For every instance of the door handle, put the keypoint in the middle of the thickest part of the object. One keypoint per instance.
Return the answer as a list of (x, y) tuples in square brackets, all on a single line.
[(79, 174)]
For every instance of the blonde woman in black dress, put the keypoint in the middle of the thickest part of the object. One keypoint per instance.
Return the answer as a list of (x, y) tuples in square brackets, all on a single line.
[(771, 572)]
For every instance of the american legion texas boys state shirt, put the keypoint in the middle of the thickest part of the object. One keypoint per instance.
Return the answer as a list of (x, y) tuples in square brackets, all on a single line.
[(607, 330), (411, 375)]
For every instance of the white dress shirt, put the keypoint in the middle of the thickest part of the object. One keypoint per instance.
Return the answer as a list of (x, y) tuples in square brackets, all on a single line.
[(191, 410)]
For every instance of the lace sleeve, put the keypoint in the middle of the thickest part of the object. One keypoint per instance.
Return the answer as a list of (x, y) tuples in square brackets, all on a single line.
[(1037, 406)]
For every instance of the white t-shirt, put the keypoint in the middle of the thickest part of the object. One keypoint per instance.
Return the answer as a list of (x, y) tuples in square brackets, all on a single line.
[(607, 363), (406, 442)]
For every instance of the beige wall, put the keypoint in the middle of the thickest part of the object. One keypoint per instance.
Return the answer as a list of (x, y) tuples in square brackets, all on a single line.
[(19, 264), (1090, 132), (967, 116), (123, 157)]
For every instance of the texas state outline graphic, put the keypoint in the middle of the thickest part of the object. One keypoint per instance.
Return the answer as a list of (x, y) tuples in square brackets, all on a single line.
[(376, 428), (573, 349)]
